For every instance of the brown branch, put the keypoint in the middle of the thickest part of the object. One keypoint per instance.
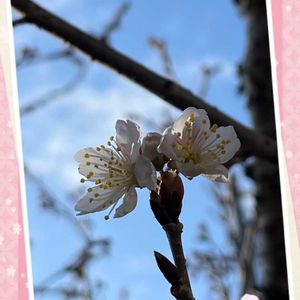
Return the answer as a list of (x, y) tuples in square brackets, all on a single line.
[(174, 231), (253, 143)]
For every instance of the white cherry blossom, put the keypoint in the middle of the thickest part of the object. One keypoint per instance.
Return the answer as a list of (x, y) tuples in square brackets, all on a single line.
[(197, 148), (116, 170)]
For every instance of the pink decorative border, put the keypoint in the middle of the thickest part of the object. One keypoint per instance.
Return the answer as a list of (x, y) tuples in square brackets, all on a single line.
[(286, 20), (13, 273), (12, 245)]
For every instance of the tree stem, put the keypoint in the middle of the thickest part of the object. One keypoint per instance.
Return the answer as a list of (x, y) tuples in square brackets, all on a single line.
[(174, 232)]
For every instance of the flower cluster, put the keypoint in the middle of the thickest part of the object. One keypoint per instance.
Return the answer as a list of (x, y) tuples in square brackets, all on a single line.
[(190, 146)]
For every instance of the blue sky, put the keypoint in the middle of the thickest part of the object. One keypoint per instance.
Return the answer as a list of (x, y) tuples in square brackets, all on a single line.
[(197, 32)]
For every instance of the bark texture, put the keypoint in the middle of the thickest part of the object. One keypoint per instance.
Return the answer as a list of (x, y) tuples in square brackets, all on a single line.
[(257, 85)]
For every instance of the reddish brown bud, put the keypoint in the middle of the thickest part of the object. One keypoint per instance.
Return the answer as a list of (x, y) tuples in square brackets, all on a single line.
[(158, 211), (168, 269), (166, 202), (171, 193)]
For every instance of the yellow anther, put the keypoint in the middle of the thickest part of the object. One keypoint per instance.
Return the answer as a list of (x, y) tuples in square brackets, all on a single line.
[(191, 118), (214, 128), (98, 148), (90, 190), (86, 155), (98, 181), (223, 152), (204, 121), (97, 195), (187, 123), (88, 163)]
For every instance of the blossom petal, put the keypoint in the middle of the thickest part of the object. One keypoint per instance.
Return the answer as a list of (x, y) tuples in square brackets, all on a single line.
[(91, 202), (166, 146), (92, 161), (218, 173), (189, 169), (249, 297), (128, 137), (231, 150), (145, 173), (150, 144), (214, 140), (179, 124), (129, 203), (81, 155)]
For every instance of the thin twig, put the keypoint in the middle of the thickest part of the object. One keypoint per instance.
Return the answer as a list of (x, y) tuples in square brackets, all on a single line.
[(54, 94), (246, 256), (174, 232), (161, 47), (20, 21), (253, 143), (115, 22)]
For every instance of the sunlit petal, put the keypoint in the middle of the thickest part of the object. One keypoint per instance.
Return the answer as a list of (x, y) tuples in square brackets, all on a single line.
[(128, 205), (145, 173)]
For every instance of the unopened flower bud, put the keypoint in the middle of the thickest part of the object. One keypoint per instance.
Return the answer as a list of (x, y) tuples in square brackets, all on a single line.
[(157, 209), (168, 269), (171, 194), (166, 202), (149, 149)]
